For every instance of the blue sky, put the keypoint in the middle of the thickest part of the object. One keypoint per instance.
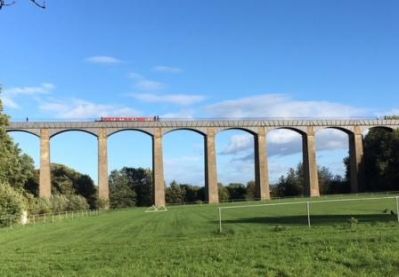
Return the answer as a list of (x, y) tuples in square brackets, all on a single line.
[(81, 60)]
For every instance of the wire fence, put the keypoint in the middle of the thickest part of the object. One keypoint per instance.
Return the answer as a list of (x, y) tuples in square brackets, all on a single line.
[(13, 220), (313, 212)]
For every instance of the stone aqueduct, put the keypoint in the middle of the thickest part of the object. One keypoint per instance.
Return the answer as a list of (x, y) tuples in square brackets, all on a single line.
[(208, 128)]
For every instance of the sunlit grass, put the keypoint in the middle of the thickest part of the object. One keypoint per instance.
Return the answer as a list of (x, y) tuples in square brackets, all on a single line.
[(185, 241)]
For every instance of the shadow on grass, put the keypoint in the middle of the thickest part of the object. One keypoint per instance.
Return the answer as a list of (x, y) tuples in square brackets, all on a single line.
[(314, 219)]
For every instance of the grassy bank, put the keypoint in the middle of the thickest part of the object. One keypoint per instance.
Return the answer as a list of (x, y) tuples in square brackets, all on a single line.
[(346, 238)]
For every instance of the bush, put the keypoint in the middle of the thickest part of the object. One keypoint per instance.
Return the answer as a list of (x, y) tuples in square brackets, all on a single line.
[(73, 202), (38, 205), (59, 203), (11, 205), (77, 203)]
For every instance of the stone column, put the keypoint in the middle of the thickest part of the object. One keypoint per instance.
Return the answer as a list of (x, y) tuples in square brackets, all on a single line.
[(103, 187), (309, 162), (157, 168), (211, 178), (356, 156), (45, 170), (261, 165)]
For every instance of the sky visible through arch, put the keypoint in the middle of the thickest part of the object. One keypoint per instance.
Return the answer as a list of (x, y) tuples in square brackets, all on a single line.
[(198, 59)]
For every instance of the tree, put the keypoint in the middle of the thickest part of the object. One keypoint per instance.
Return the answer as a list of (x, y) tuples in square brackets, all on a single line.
[(175, 193), (138, 180), (381, 160), (11, 205), (224, 194), (237, 191), (69, 182), (293, 184), (251, 191), (15, 168)]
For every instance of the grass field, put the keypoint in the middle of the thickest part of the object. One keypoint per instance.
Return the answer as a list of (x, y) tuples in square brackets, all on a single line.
[(185, 241)]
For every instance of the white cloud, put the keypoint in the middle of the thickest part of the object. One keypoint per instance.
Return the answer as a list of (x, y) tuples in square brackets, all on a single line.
[(44, 88), (176, 99), (167, 69), (281, 106), (149, 85), (9, 94), (135, 76), (285, 142), (142, 83), (238, 143), (8, 102), (106, 60), (177, 168), (81, 109)]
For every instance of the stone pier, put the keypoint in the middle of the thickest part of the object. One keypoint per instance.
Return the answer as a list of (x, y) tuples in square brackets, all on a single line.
[(158, 175), (356, 157), (211, 179), (45, 170), (103, 186), (309, 162), (261, 165)]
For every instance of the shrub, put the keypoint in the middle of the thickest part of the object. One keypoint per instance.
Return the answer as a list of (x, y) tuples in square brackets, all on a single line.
[(77, 203), (38, 205), (11, 205), (59, 203)]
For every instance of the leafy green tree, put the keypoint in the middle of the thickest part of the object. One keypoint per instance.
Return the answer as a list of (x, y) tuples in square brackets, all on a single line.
[(140, 184), (293, 184), (15, 168), (11, 205), (237, 191), (250, 191), (224, 194), (381, 160), (69, 182), (175, 193)]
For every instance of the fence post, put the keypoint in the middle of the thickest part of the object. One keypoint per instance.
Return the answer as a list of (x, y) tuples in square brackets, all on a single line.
[(308, 210), (220, 220)]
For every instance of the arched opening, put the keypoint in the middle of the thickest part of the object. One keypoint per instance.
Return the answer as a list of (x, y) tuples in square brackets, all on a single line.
[(236, 165), (130, 169), (29, 145), (184, 166), (285, 153), (381, 159), (333, 160), (74, 165)]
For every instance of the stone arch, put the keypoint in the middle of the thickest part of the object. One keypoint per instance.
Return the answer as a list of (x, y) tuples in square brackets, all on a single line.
[(383, 127), (54, 133), (300, 145), (294, 129), (113, 132), (191, 143), (346, 130), (75, 148), (346, 148), (195, 130), (247, 156), (36, 134), (247, 130)]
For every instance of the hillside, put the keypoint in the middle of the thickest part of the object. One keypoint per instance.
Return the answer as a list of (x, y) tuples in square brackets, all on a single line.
[(184, 241)]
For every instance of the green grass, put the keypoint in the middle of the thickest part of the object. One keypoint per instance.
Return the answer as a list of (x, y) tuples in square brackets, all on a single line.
[(184, 241)]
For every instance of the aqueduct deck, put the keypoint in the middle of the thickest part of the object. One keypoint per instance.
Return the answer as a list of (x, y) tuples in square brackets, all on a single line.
[(208, 128)]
